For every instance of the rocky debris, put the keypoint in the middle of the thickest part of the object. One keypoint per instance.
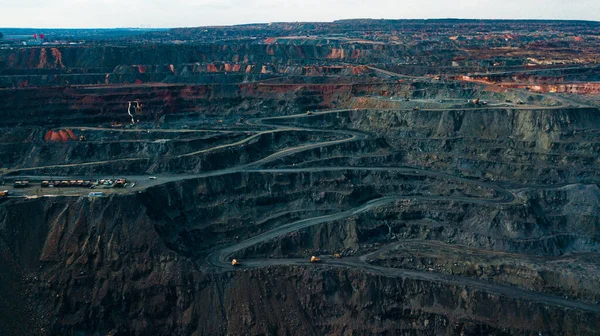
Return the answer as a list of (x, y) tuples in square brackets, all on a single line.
[(60, 136)]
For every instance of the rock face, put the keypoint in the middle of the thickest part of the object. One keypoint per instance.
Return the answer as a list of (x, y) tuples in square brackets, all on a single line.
[(100, 266), (443, 175)]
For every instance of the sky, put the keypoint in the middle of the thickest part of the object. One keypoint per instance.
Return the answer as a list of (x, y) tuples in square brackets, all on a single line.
[(194, 13)]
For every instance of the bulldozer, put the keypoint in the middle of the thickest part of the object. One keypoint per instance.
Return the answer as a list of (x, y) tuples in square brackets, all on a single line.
[(314, 259), (235, 262)]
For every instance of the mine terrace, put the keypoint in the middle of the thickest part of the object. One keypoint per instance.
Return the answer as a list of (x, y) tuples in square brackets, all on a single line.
[(355, 177)]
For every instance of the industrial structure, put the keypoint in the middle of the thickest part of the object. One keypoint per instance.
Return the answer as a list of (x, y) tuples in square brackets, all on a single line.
[(35, 39)]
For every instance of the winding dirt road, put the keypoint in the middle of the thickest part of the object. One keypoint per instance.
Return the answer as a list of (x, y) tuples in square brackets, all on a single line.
[(219, 260)]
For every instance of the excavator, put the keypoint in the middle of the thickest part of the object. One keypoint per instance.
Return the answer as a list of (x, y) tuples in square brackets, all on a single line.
[(235, 262)]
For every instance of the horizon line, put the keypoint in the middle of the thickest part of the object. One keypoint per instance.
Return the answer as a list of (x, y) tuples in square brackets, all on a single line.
[(317, 21)]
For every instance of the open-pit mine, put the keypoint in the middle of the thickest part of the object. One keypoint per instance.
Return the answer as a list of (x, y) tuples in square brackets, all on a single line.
[(359, 177)]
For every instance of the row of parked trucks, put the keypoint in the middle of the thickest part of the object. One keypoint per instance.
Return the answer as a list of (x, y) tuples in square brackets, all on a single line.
[(118, 183), (64, 184)]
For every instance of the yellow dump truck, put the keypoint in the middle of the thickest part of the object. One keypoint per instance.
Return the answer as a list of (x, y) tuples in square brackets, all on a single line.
[(314, 259), (235, 262)]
